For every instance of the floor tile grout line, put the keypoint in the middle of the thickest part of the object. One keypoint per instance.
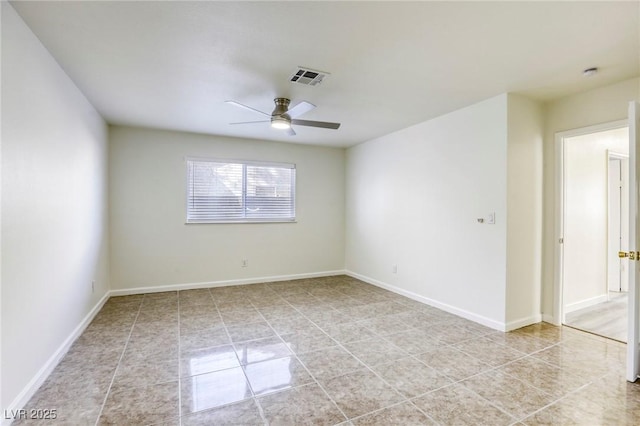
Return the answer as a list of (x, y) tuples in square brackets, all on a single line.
[(313, 376), (254, 397), (531, 355), (115, 372), (242, 367), (568, 394), (490, 341), (261, 411), (460, 383), (393, 387), (491, 403), (423, 412), (306, 368), (554, 402), (387, 407), (365, 365), (520, 418), (180, 376), (513, 377), (359, 360)]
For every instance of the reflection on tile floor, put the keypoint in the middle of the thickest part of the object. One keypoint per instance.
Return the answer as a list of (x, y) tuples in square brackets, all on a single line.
[(328, 351)]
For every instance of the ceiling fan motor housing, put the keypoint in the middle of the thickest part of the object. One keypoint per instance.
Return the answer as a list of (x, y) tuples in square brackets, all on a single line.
[(279, 117), (282, 106)]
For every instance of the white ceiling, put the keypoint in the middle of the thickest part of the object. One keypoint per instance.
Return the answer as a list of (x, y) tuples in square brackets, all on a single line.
[(171, 65)]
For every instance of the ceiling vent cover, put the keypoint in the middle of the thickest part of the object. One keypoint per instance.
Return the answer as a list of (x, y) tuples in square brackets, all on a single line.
[(308, 77)]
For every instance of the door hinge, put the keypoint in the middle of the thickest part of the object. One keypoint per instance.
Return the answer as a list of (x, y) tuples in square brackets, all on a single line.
[(561, 240)]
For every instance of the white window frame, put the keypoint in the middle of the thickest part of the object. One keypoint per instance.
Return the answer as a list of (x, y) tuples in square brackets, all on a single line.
[(244, 163)]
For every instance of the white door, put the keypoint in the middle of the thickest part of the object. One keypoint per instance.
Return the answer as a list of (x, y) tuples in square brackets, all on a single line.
[(633, 350)]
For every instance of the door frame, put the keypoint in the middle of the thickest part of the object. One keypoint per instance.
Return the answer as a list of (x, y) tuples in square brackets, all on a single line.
[(558, 285), (633, 335)]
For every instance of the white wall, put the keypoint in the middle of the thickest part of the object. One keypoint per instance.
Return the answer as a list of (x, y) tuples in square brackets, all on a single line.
[(586, 207), (54, 210), (602, 105), (413, 198), (524, 211), (152, 247)]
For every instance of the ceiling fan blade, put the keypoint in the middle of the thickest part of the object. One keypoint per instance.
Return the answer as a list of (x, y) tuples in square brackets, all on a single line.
[(322, 124), (290, 132), (238, 104), (251, 122), (301, 108)]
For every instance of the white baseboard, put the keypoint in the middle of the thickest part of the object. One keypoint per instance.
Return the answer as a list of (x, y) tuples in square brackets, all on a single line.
[(496, 325), (224, 283), (550, 319), (572, 307), (523, 322), (34, 384)]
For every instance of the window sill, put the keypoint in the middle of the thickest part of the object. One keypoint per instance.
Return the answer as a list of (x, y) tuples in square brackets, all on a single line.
[(240, 222)]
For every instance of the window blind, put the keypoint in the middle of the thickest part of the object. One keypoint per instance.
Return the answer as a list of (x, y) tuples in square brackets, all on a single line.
[(239, 191)]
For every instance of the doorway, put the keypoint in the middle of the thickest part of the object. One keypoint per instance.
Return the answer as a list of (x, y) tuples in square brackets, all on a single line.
[(595, 199)]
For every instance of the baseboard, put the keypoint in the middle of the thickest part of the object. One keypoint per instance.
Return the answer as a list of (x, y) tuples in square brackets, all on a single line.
[(550, 319), (572, 307), (523, 322), (496, 325), (34, 384), (223, 283)]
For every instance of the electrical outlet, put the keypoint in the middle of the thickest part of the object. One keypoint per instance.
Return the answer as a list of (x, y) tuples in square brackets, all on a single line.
[(491, 219), (395, 269), (245, 263), (93, 286)]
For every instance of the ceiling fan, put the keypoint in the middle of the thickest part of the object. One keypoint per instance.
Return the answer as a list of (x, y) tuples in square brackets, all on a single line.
[(282, 117)]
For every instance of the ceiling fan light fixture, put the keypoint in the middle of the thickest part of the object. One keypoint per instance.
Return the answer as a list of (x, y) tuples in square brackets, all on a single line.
[(282, 117), (280, 123)]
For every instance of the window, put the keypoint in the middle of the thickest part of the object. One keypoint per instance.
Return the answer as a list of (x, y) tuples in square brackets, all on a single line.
[(240, 191)]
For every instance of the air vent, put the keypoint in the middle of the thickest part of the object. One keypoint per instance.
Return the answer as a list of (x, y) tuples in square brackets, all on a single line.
[(308, 77)]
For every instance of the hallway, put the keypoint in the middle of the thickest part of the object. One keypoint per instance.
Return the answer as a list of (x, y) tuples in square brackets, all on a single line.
[(608, 319)]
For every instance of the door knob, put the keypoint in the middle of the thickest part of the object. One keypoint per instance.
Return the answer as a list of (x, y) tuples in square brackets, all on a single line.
[(632, 255)]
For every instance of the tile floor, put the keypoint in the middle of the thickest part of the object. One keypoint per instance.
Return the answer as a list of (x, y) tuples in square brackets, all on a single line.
[(327, 351)]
